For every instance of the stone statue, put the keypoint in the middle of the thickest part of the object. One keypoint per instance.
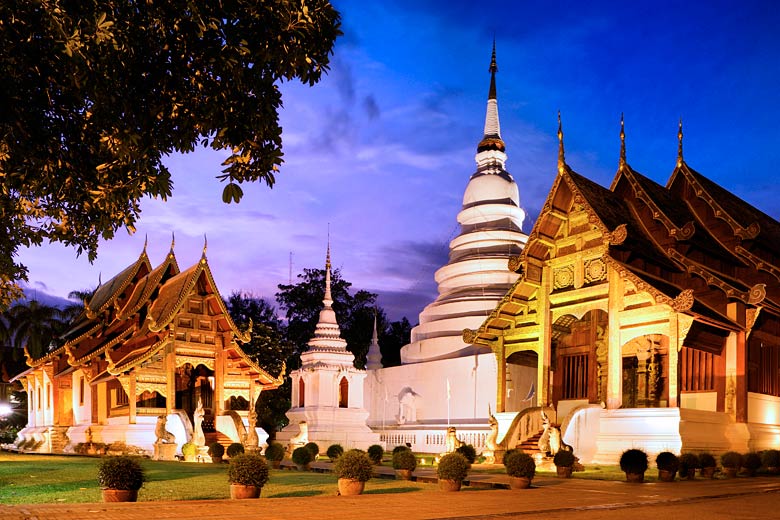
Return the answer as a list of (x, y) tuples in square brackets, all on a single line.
[(544, 440), (198, 438), (88, 436), (491, 443), (451, 442), (407, 406), (163, 435), (299, 439), (252, 441)]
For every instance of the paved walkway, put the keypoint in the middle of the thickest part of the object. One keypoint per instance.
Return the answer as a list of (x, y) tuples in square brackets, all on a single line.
[(551, 497)]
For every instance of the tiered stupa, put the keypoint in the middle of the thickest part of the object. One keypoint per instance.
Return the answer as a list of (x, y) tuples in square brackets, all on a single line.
[(476, 276)]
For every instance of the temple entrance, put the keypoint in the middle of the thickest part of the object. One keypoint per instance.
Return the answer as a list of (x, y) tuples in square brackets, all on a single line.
[(645, 369), (579, 358), (192, 384), (521, 392)]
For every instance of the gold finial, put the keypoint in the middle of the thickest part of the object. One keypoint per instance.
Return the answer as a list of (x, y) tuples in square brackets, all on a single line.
[(622, 162), (146, 241), (205, 244), (679, 144), (173, 241), (100, 278), (561, 158)]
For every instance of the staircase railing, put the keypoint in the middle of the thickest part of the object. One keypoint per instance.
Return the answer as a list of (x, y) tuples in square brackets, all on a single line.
[(525, 425)]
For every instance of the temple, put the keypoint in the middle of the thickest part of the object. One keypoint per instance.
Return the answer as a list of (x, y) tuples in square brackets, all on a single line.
[(150, 344)]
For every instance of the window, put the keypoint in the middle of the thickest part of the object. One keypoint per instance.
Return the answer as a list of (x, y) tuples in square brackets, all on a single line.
[(121, 397), (343, 393), (301, 393), (81, 391), (575, 376), (697, 370)]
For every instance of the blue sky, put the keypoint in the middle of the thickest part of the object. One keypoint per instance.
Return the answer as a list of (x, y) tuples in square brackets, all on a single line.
[(383, 146)]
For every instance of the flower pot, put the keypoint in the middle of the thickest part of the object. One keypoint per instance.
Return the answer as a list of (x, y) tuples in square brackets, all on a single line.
[(731, 472), (347, 487), (119, 495), (666, 475), (403, 474), (773, 470), (563, 471), (520, 482), (302, 467), (240, 491), (689, 474), (449, 485), (635, 477), (707, 472)]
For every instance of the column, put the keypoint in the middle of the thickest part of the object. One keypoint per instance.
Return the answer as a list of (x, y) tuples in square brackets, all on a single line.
[(170, 377), (673, 357), (614, 347), (545, 339), (738, 355), (132, 398), (501, 375)]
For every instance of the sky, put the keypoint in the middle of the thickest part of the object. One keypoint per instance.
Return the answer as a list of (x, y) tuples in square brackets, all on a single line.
[(381, 150)]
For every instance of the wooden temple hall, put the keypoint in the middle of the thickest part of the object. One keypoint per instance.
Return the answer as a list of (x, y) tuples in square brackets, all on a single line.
[(150, 345), (651, 314)]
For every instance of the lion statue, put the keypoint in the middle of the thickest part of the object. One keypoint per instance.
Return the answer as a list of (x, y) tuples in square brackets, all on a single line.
[(451, 442), (163, 435)]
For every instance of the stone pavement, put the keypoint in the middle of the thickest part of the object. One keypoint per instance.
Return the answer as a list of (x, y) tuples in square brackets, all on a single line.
[(549, 497)]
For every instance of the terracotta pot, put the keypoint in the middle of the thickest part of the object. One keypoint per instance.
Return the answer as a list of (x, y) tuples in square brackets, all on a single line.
[(519, 483), (690, 474), (731, 472), (119, 495), (666, 476), (216, 460), (563, 471), (347, 487), (403, 474), (276, 464), (302, 467), (773, 470), (449, 485), (240, 491), (707, 472), (635, 477)]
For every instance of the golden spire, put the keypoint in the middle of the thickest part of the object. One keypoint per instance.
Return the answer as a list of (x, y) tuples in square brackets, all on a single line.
[(205, 247), (561, 158), (622, 162), (679, 144), (146, 241), (173, 241)]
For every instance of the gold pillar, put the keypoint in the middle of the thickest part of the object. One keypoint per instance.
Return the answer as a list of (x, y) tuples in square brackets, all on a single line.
[(544, 349), (614, 350), (170, 377), (219, 374), (500, 353), (736, 311), (132, 398), (675, 344)]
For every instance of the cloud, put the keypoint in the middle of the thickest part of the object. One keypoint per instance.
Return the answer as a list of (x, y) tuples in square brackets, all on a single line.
[(370, 107)]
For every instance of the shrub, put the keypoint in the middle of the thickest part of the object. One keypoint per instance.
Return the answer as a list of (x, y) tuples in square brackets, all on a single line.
[(248, 469), (235, 449), (688, 461), (404, 459), (353, 465), (216, 450), (334, 451), (667, 461), (771, 458), (468, 451), (400, 447), (706, 460), (274, 452), (751, 461), (520, 464), (314, 448), (564, 459), (375, 453), (301, 456), (633, 461), (506, 454), (731, 459), (189, 449), (453, 466), (120, 473)]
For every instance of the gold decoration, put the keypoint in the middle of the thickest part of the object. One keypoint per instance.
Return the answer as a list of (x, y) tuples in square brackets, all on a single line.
[(617, 236), (515, 263), (757, 294), (595, 270), (469, 336), (683, 301), (563, 277), (194, 361)]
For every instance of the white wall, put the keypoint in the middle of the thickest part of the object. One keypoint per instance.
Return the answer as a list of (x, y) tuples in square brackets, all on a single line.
[(82, 413), (763, 409), (706, 401)]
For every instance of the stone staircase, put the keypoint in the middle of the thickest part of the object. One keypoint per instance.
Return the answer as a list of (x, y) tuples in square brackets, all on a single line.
[(531, 444), (219, 437), (58, 438)]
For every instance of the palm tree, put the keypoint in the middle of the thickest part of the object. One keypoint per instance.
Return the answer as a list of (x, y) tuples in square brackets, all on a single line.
[(35, 325), (72, 311)]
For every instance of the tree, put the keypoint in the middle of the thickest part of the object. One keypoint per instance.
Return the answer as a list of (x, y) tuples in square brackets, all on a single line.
[(34, 325), (391, 338), (270, 349), (96, 93)]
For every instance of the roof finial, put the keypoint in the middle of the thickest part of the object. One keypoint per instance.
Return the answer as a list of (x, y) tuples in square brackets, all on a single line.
[(146, 241), (561, 157), (622, 162), (493, 69), (100, 278), (205, 244), (680, 159), (328, 297), (173, 240)]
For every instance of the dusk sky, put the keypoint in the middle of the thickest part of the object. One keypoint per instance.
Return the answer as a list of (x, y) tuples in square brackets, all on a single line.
[(383, 146)]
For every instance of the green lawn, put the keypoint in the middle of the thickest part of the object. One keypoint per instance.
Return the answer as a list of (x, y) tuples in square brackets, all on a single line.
[(28, 479)]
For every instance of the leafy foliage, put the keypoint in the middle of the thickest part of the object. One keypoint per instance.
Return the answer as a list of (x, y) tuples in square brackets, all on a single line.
[(468, 451), (688, 461), (354, 465), (706, 460), (731, 459), (302, 456), (96, 94), (120, 473), (667, 461), (375, 453), (274, 451), (770, 458), (751, 461), (564, 459), (334, 451), (404, 459), (248, 469), (235, 449), (216, 450), (520, 464), (633, 461), (189, 449), (314, 448), (453, 466)]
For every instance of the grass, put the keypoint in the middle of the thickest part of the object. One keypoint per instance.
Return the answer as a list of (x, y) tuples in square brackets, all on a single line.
[(37, 479)]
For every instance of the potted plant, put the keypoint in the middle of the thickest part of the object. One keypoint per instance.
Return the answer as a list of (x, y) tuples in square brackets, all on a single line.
[(120, 478), (302, 458), (375, 453), (216, 451), (404, 463), (751, 462), (353, 470), (564, 462), (274, 453), (521, 469), (634, 463), (667, 464), (771, 460), (235, 449), (731, 462), (452, 469), (314, 448), (468, 451), (689, 462), (400, 447), (190, 451), (334, 452), (707, 465), (247, 475)]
